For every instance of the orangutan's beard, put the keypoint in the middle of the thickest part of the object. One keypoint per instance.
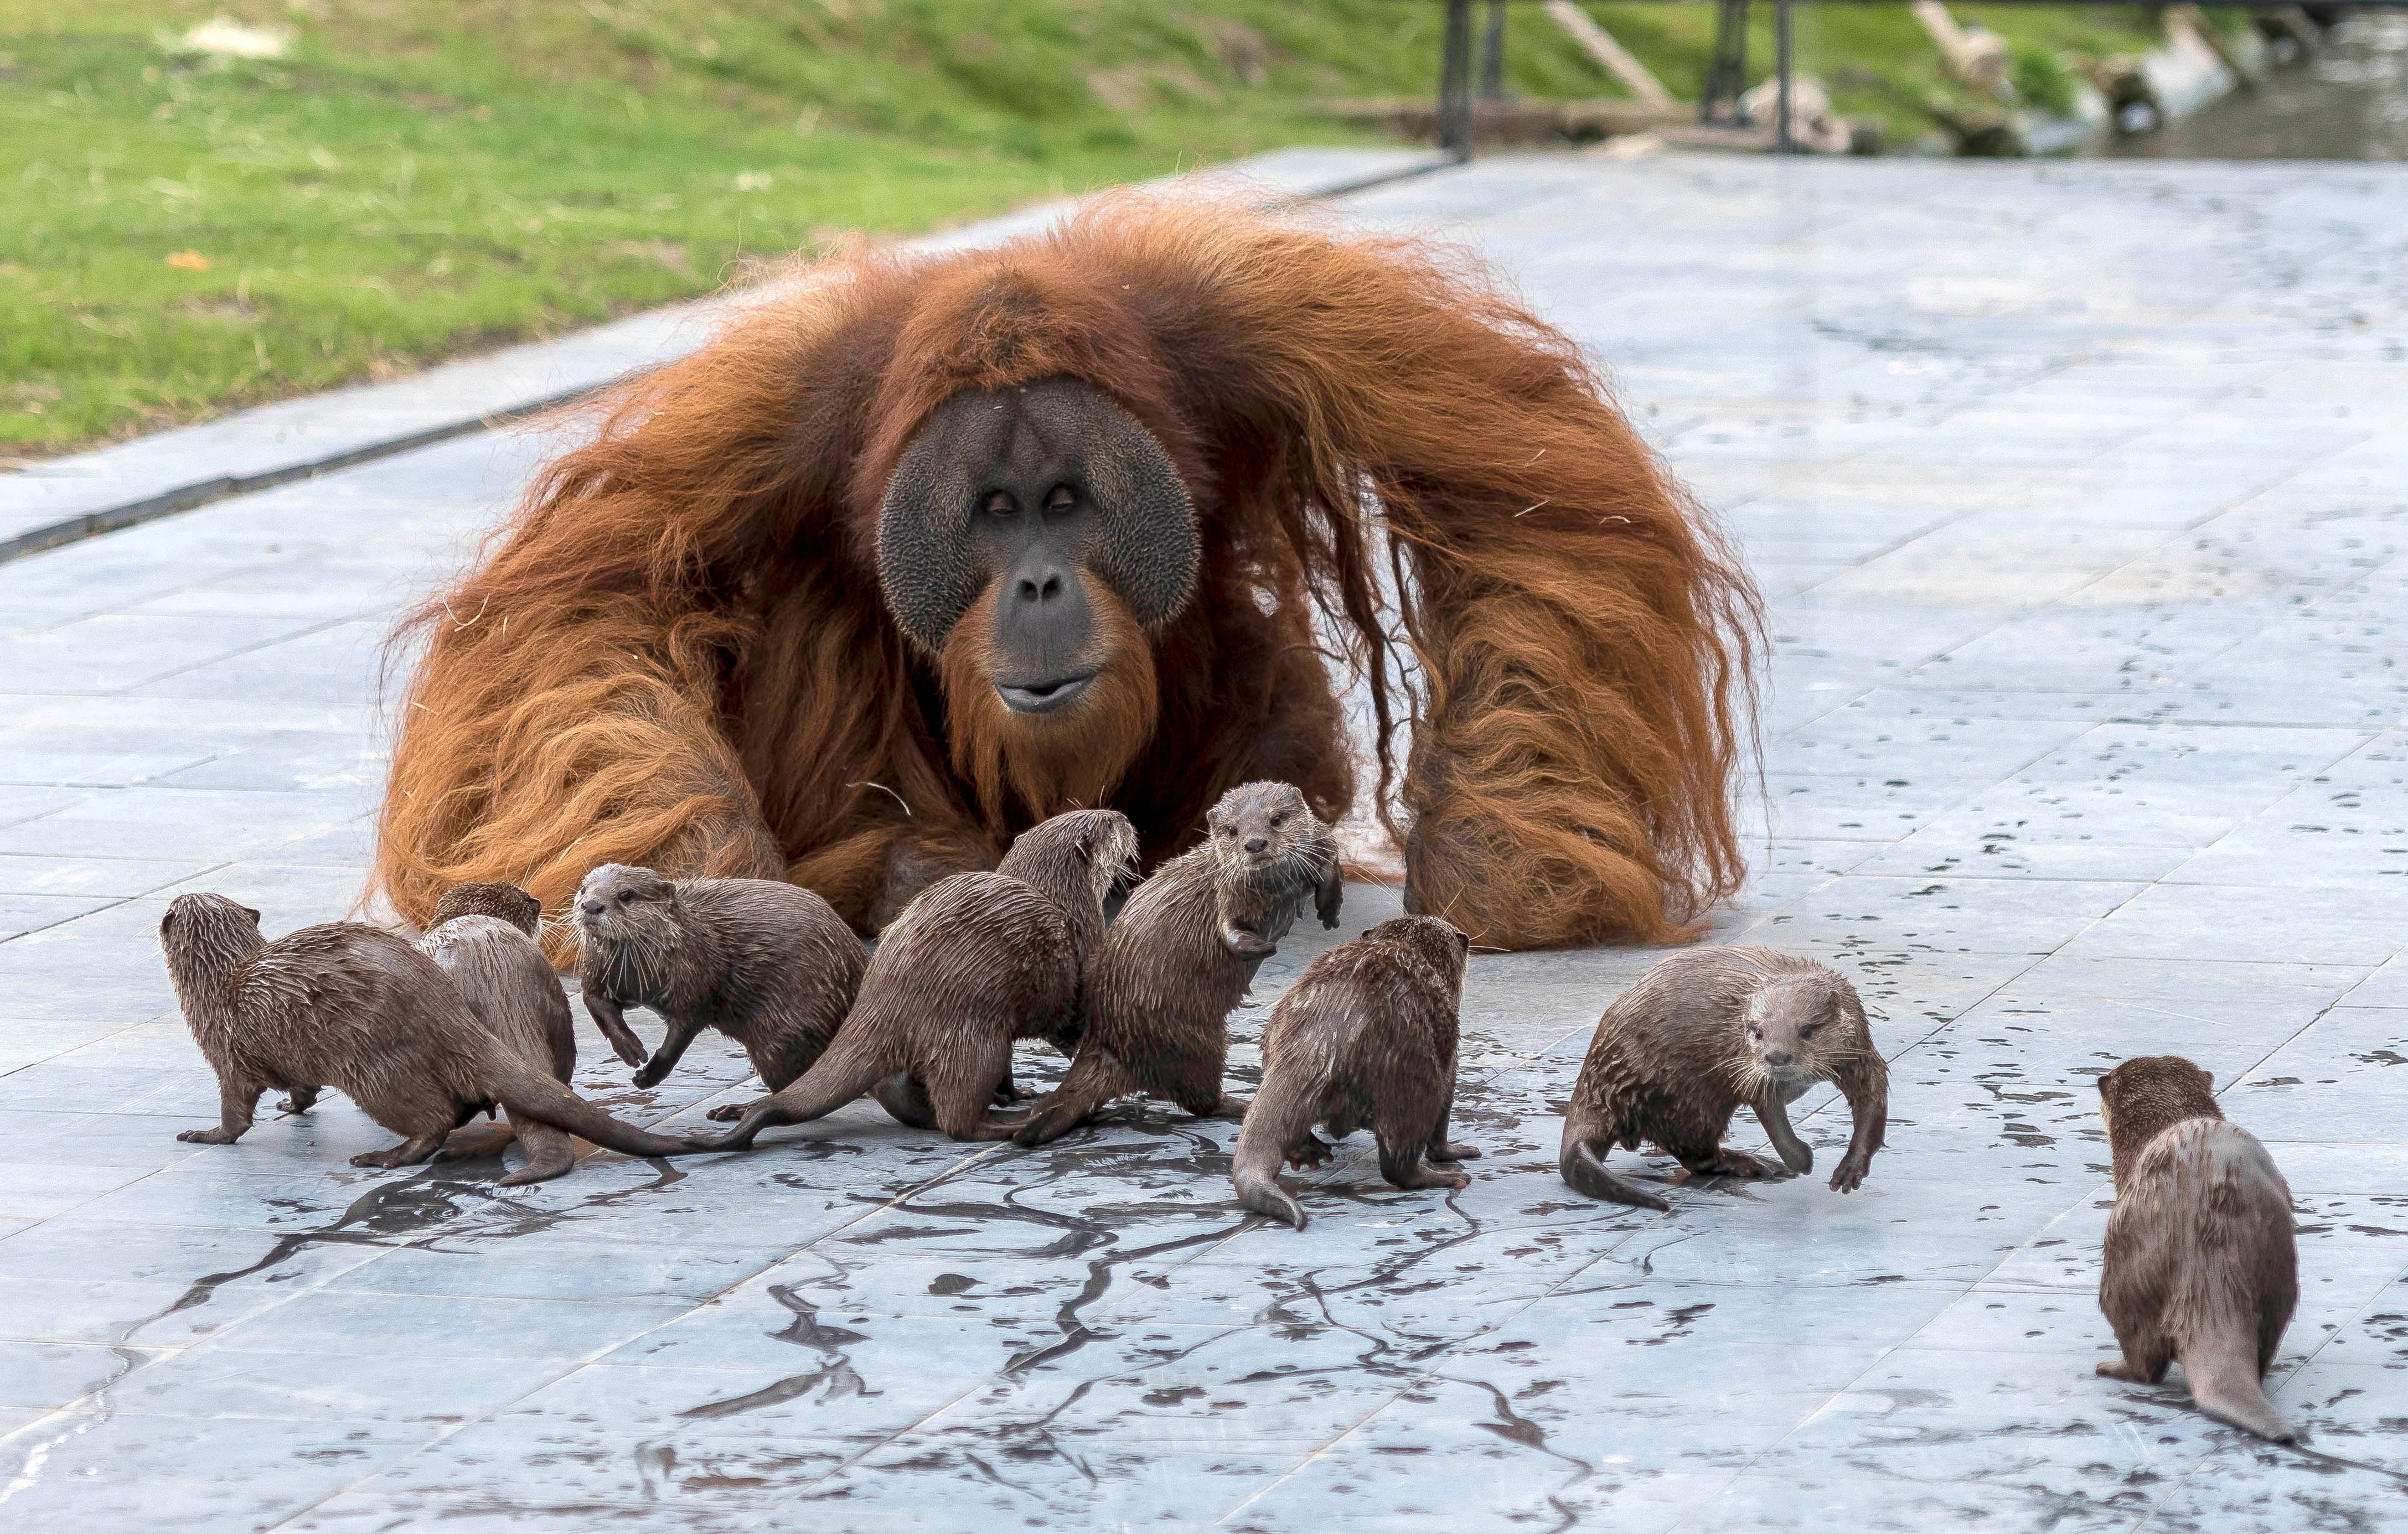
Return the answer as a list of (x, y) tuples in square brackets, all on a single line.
[(1045, 763)]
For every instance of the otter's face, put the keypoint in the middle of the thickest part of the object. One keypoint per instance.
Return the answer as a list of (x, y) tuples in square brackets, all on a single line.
[(1250, 827), (617, 904), (1790, 1027)]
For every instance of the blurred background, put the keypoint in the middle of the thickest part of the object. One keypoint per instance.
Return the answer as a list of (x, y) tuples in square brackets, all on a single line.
[(212, 205)]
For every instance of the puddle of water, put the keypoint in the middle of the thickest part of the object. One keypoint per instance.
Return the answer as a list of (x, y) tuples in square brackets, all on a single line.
[(2350, 102)]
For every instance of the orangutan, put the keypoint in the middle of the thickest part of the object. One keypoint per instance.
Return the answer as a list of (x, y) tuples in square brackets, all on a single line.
[(932, 547)]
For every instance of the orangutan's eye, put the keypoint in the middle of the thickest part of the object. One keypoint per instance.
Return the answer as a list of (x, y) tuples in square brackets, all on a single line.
[(1001, 504), (1060, 498)]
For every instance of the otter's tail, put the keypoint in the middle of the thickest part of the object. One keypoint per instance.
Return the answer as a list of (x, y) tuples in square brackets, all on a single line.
[(2222, 1372), (1282, 1114), (1583, 1167), (529, 1093), (844, 1073)]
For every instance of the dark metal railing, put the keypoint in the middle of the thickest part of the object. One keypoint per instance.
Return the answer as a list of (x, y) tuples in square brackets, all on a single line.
[(1725, 76)]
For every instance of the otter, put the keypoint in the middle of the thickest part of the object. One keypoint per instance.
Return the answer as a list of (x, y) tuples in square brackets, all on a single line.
[(360, 1009), (771, 966), (1366, 1035), (975, 962), (485, 937), (2201, 1265), (1181, 953), (1701, 1033), (1270, 851)]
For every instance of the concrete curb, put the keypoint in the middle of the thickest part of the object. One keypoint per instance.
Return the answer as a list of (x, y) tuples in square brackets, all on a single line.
[(63, 499)]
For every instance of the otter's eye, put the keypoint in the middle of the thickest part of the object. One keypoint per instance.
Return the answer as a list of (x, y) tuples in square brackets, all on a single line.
[(1230, 831), (627, 896), (1755, 1032), (1278, 820)]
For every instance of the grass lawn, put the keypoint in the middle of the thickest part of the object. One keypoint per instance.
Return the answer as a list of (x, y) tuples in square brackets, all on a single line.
[(188, 231)]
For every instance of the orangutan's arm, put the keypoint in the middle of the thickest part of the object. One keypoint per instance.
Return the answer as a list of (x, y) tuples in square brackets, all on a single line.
[(533, 754)]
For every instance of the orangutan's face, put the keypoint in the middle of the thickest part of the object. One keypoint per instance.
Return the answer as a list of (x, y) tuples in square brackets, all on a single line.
[(1030, 540)]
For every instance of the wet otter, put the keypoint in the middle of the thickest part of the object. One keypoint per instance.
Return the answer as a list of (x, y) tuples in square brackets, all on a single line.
[(1366, 1035), (1701, 1033), (974, 962), (767, 964), (359, 1009), (1181, 952), (484, 938), (1270, 852), (2201, 1264)]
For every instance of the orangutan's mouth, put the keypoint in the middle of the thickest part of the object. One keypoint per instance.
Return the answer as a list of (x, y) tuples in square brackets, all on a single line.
[(1043, 697)]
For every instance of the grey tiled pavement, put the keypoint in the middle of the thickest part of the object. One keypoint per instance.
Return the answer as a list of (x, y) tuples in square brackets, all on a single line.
[(2077, 489)]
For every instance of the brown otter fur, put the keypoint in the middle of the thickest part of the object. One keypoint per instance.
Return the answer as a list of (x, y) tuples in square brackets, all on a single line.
[(1700, 1034), (485, 937), (767, 964), (503, 901), (1271, 851), (975, 962), (1366, 1035), (2201, 1264), (359, 1009), (1180, 953)]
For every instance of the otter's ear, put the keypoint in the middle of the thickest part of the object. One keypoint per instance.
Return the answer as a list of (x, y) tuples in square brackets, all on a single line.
[(252, 913), (2207, 1078), (1463, 940)]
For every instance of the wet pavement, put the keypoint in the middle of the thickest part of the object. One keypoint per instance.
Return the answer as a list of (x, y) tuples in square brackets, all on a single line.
[(2077, 493)]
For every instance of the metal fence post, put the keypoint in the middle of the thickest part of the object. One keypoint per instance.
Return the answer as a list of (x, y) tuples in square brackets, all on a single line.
[(1454, 82), (1726, 76)]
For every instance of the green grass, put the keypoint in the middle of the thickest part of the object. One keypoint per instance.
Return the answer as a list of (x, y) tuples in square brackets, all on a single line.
[(421, 178)]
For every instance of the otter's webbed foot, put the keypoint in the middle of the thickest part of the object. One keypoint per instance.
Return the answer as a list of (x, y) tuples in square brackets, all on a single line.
[(407, 1154), (300, 1100), (1310, 1151), (728, 1112), (1451, 1151), (220, 1136), (1726, 1162)]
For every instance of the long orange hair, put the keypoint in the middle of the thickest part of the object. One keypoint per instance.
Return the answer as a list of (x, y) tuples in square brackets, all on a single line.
[(676, 652)]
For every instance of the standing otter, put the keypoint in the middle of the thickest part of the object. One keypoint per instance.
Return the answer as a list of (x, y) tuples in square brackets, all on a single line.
[(484, 938), (359, 1009), (2200, 1261), (767, 964), (1181, 955), (1366, 1035), (1701, 1033), (974, 962), (1270, 851)]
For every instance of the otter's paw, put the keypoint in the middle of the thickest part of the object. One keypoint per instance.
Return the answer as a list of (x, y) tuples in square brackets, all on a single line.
[(1454, 1150), (2118, 1369), (727, 1113), (651, 1072), (1245, 945), (1734, 1163), (207, 1137), (1310, 1151), (1850, 1174)]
